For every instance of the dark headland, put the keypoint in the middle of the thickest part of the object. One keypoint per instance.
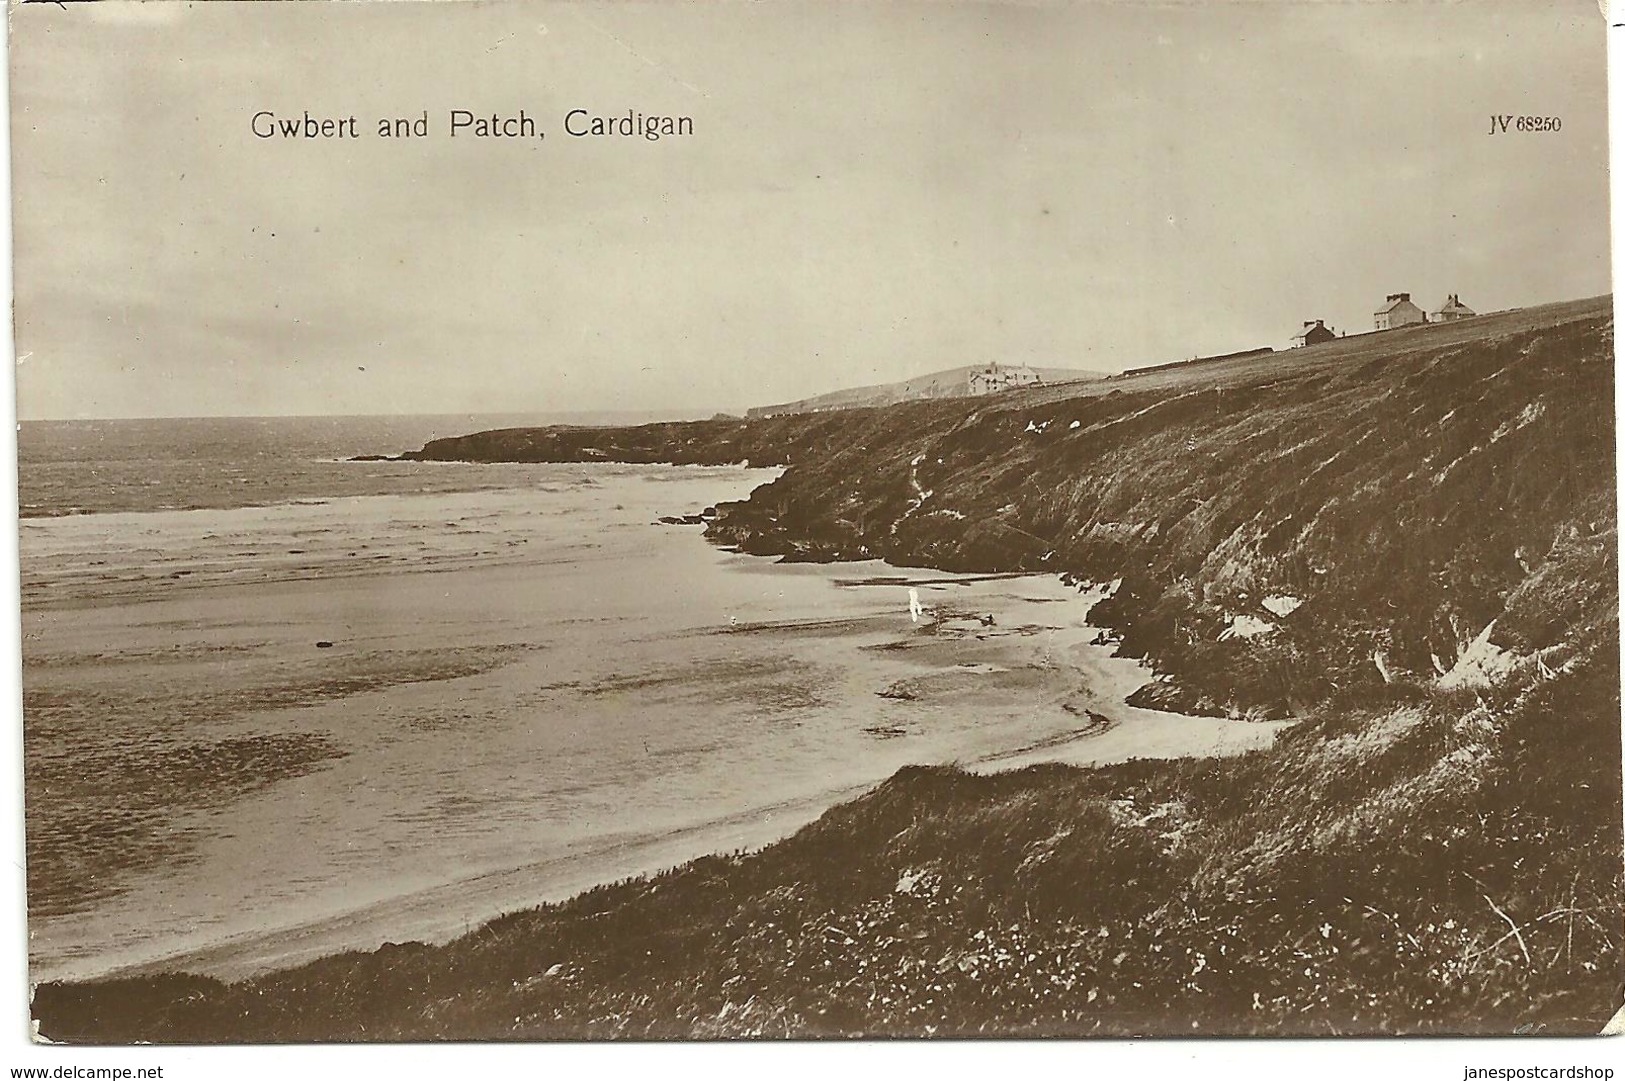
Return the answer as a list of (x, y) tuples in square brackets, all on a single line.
[(1406, 541)]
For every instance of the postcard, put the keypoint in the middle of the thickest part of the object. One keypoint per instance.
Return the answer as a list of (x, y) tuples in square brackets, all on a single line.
[(579, 521)]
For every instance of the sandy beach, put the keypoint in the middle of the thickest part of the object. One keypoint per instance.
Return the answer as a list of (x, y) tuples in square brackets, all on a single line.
[(259, 735)]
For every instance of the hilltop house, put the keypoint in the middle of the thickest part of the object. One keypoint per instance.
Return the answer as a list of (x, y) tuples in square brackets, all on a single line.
[(1313, 333), (1398, 311), (996, 377), (1453, 309)]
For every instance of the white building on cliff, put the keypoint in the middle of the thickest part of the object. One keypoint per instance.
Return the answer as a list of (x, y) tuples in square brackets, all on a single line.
[(1398, 311), (1453, 309), (996, 377)]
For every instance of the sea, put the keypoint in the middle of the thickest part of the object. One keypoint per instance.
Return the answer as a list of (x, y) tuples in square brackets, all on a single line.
[(278, 703), (97, 466)]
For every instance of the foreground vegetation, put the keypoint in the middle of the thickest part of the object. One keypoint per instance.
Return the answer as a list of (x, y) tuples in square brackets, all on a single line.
[(1409, 544), (1435, 863)]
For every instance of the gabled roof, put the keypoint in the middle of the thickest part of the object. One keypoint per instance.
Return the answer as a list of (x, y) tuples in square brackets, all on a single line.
[(1454, 305), (1392, 304)]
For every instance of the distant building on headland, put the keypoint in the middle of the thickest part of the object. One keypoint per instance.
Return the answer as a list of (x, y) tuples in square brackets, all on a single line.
[(1398, 311), (1453, 309), (1313, 333), (996, 377)]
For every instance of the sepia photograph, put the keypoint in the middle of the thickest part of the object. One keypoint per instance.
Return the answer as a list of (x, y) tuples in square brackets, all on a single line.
[(584, 521)]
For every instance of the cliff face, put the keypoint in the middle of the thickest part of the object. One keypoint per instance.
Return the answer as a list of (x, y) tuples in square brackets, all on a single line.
[(1284, 527), (1278, 538)]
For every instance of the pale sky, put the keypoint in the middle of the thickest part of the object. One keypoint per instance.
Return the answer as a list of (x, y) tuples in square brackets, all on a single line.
[(873, 191)]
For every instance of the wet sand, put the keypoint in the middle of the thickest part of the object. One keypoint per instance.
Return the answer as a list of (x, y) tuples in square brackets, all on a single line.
[(529, 695)]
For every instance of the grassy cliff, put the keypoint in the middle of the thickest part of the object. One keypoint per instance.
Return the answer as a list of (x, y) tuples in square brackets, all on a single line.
[(1406, 541), (1402, 499)]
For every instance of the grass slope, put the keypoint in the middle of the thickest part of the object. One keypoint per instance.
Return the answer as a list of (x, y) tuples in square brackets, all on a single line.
[(1417, 855)]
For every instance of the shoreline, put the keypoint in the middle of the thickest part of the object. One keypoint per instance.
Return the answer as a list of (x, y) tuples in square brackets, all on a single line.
[(1115, 732)]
